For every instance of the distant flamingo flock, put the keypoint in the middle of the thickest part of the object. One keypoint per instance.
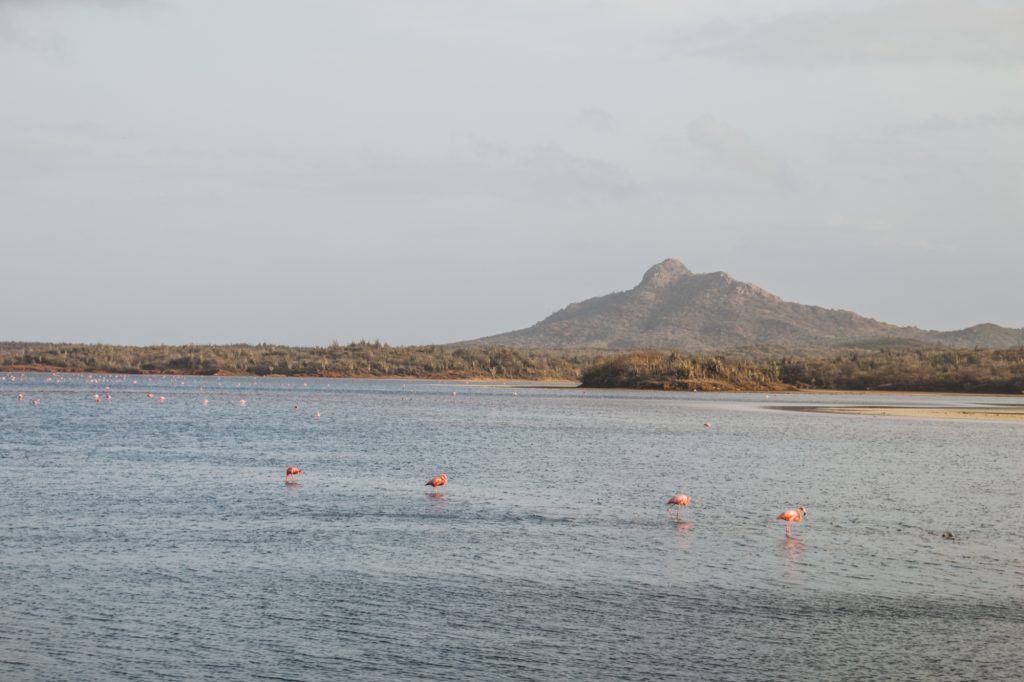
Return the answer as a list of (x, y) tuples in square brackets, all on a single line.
[(677, 501)]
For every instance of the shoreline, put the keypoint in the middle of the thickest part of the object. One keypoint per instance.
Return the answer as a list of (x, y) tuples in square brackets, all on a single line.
[(1010, 413), (878, 392), (42, 369), (777, 391)]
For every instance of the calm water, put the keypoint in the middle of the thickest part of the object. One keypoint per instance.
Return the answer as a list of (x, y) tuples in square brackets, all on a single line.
[(150, 540)]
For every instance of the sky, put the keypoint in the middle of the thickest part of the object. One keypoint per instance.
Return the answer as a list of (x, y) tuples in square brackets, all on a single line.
[(309, 171)]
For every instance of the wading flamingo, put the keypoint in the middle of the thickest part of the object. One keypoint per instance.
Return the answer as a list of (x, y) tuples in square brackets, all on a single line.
[(437, 481), (292, 471), (792, 516), (679, 500)]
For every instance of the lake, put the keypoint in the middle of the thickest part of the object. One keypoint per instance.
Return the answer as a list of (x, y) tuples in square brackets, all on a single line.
[(157, 540)]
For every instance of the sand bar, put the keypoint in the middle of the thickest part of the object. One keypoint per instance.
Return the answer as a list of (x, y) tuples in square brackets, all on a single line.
[(1011, 413)]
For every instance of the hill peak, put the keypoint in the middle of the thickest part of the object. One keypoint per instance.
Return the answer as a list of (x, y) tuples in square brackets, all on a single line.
[(674, 308), (664, 273)]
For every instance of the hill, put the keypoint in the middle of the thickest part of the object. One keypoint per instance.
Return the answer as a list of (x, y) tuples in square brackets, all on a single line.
[(673, 307)]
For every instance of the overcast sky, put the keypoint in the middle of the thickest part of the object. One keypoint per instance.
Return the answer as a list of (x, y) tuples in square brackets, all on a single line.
[(302, 171)]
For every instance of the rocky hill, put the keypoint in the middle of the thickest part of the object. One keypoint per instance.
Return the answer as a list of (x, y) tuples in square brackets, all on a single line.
[(673, 307)]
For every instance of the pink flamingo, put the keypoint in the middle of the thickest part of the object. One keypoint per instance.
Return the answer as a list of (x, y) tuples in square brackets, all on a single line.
[(679, 500), (792, 516), (292, 471), (438, 481)]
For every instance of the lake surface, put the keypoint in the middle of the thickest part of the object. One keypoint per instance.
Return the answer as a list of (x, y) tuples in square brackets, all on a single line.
[(156, 540)]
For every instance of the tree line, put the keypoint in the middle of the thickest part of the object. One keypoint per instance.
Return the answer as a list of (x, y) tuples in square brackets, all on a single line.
[(926, 369), (359, 359), (978, 370)]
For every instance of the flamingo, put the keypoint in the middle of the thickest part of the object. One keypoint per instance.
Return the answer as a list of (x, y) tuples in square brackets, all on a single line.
[(792, 516), (707, 425), (679, 500), (292, 471), (21, 397), (438, 481)]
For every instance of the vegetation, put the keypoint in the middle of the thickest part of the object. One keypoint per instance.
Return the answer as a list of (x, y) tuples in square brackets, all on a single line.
[(932, 369), (676, 372), (924, 369), (935, 369), (362, 359)]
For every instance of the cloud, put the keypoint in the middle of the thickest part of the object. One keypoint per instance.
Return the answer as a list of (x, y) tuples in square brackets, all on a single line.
[(545, 173), (981, 122), (478, 167), (596, 119), (893, 32), (11, 32), (732, 148), (45, 3)]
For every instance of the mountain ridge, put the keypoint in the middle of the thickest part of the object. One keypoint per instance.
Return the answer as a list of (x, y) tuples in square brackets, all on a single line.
[(675, 308)]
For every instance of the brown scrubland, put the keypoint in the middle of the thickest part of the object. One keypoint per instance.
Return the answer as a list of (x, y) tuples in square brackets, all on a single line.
[(939, 368)]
